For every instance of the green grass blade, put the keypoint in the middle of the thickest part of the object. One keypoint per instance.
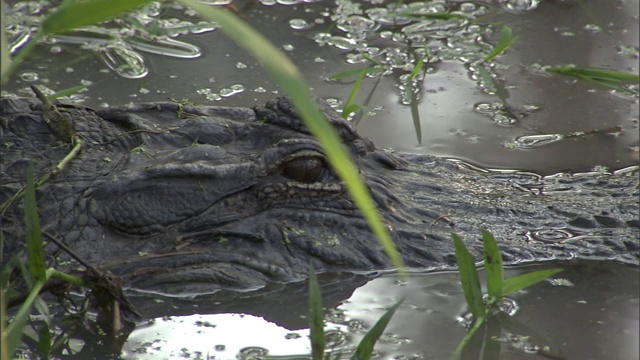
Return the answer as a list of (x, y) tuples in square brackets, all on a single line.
[(290, 79), (316, 317), (73, 14), (44, 341), (487, 79), (352, 96), (522, 281), (413, 101), (596, 74), (469, 278), (66, 92), (15, 329), (417, 69), (606, 78), (415, 116), (506, 40), (35, 249), (366, 345), (492, 265), (467, 338), (5, 58)]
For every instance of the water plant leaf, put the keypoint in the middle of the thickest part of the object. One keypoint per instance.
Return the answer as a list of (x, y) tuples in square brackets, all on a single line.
[(410, 94), (73, 14), (14, 331), (290, 79), (487, 79), (607, 78), (44, 341), (348, 108), (596, 74), (522, 281), (366, 345), (506, 40), (492, 265), (469, 278), (316, 317), (35, 249), (66, 92)]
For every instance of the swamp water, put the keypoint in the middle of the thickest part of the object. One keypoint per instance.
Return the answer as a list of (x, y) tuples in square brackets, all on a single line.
[(525, 119)]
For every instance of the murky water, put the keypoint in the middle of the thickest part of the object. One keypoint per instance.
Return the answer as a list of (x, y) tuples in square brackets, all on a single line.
[(527, 119), (590, 311)]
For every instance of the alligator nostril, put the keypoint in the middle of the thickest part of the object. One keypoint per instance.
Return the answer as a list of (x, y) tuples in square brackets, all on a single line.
[(304, 170)]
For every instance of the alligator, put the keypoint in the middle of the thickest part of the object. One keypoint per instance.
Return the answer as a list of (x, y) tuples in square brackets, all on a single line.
[(181, 199)]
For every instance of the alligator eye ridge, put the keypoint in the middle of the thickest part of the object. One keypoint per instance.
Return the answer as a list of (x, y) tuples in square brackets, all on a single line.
[(305, 170)]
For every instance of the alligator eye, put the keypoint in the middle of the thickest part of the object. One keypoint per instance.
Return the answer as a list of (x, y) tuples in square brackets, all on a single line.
[(306, 170)]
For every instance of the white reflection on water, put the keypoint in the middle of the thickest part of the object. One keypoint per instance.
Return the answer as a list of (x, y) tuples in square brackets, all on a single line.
[(222, 336)]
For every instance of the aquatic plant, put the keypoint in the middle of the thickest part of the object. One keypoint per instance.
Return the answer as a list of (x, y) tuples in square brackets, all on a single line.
[(497, 286)]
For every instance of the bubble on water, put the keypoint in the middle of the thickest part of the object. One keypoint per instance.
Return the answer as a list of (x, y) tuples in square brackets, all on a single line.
[(55, 49), (143, 90), (232, 90), (386, 17), (357, 326), (520, 5), (240, 65), (252, 352), (288, 47), (268, 2), (203, 91), (292, 335), (560, 282), (533, 141), (628, 50), (508, 306), (166, 47), (29, 76), (498, 112), (86, 82), (335, 338), (127, 63), (356, 58), (319, 60), (593, 28), (357, 24), (213, 97), (322, 38), (299, 24), (550, 235), (216, 2), (529, 108), (333, 102), (342, 43), (467, 7), (260, 89)]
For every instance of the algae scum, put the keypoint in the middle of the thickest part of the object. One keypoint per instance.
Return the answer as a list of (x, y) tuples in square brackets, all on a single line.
[(508, 113)]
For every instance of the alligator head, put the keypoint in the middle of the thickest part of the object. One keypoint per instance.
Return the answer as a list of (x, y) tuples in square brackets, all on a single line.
[(184, 199)]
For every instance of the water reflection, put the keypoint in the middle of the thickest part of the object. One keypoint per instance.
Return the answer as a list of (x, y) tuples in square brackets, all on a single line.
[(590, 311)]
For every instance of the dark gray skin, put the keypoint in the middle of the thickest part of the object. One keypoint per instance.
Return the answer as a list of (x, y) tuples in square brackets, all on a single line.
[(201, 198)]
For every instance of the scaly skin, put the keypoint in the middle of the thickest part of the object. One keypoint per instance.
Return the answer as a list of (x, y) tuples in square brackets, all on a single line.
[(193, 199)]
